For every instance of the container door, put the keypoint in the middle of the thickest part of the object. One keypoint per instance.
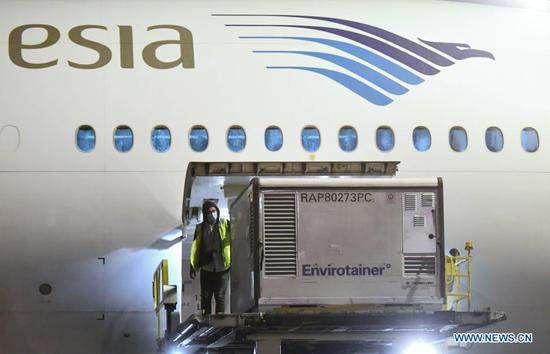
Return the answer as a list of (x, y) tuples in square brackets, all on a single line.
[(242, 252), (419, 234)]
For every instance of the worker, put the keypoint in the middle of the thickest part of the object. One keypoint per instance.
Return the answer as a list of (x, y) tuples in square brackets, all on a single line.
[(211, 253)]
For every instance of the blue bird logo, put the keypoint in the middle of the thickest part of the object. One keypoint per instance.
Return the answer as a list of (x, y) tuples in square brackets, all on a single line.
[(376, 76)]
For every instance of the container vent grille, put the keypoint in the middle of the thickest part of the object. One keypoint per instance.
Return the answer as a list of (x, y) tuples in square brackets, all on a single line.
[(418, 265), (410, 202), (252, 226), (419, 221), (427, 200), (279, 224)]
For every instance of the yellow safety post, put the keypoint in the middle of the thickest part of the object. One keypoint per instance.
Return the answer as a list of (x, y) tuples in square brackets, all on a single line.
[(458, 268), (469, 247), (160, 278)]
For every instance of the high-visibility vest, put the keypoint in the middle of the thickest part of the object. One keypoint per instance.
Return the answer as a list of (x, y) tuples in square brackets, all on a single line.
[(225, 238)]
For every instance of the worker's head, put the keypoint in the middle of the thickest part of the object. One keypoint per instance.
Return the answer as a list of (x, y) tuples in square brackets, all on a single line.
[(210, 212), (454, 252)]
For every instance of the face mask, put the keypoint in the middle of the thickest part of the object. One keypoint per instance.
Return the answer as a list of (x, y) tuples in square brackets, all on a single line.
[(211, 217)]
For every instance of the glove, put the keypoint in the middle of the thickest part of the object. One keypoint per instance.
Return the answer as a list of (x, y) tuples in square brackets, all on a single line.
[(192, 273)]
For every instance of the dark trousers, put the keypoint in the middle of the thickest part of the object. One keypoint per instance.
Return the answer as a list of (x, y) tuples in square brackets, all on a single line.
[(213, 283)]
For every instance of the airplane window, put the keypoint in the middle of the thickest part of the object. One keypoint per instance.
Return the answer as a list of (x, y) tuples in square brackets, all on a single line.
[(311, 139), (198, 138), (458, 139), (347, 138), (124, 138), (422, 139), (529, 139), (161, 138), (85, 138), (494, 139), (273, 138), (236, 138), (385, 139)]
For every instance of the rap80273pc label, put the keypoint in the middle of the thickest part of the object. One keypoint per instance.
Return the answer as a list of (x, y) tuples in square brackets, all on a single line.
[(336, 197)]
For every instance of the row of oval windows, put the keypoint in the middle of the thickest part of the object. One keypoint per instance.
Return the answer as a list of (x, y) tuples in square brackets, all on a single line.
[(311, 138)]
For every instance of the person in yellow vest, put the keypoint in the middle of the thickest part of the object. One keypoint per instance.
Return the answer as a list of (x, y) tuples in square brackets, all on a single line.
[(211, 254)]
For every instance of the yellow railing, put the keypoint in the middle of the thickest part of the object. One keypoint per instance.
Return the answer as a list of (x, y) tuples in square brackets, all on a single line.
[(160, 278), (458, 280)]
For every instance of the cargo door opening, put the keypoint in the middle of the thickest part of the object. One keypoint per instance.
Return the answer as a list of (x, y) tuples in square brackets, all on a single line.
[(223, 182)]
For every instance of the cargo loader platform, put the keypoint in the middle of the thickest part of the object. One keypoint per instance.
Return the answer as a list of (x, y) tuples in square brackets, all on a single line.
[(285, 333)]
